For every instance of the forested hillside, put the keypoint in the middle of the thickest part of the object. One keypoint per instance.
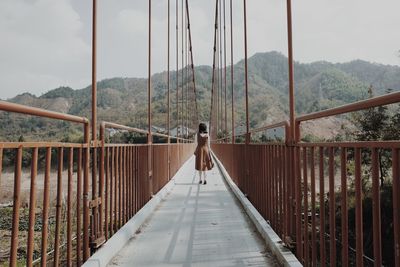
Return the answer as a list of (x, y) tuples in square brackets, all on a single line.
[(319, 85)]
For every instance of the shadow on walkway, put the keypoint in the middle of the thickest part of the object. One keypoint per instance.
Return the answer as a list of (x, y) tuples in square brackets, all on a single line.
[(196, 225)]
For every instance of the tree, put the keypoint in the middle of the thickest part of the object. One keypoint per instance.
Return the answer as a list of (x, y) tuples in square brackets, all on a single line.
[(393, 131), (374, 126)]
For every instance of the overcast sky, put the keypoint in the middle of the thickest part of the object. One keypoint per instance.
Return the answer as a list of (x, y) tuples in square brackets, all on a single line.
[(46, 43)]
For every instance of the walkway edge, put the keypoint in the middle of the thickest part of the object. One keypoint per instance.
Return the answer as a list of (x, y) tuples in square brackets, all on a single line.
[(116, 243), (273, 241)]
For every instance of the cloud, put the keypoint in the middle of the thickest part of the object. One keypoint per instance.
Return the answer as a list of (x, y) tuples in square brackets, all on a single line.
[(47, 43), (41, 46), (345, 30), (123, 43)]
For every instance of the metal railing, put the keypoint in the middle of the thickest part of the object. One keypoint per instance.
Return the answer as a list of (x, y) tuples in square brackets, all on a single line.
[(313, 194), (78, 211), (78, 159)]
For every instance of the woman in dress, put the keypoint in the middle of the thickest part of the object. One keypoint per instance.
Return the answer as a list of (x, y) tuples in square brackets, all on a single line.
[(202, 153)]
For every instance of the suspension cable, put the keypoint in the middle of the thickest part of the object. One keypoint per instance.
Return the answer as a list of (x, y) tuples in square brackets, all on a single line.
[(213, 89), (191, 61)]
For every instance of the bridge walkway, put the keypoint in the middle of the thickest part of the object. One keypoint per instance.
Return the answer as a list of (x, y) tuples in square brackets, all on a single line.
[(196, 225)]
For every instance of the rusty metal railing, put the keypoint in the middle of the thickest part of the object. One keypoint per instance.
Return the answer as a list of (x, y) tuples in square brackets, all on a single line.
[(131, 173), (75, 217), (303, 188), (314, 158), (77, 161)]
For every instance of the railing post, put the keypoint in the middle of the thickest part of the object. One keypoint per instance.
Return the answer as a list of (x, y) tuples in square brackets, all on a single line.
[(46, 201), (32, 206), (16, 207), (86, 233), (293, 139), (101, 184), (291, 70), (94, 220), (396, 205)]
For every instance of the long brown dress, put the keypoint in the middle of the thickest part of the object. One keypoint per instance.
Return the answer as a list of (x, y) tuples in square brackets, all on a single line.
[(202, 153)]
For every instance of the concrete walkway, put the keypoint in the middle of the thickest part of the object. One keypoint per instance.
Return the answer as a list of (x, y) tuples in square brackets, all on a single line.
[(196, 225)]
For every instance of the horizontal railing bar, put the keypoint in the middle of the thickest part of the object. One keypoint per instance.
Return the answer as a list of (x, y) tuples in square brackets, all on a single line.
[(36, 261), (387, 99), (10, 145), (170, 136), (123, 127), (134, 145), (124, 145), (276, 143), (163, 144), (41, 145), (221, 139), (112, 125), (239, 144), (160, 135), (360, 144), (281, 124), (17, 108), (340, 243)]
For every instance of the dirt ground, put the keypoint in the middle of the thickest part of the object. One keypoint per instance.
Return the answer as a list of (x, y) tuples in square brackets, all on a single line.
[(7, 187)]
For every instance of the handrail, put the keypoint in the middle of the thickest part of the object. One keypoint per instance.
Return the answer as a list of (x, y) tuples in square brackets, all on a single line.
[(27, 110), (387, 99), (221, 139), (356, 106), (112, 125), (282, 124), (271, 126), (354, 144), (17, 108)]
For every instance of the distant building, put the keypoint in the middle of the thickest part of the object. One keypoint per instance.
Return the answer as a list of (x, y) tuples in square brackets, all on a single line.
[(177, 131), (156, 129)]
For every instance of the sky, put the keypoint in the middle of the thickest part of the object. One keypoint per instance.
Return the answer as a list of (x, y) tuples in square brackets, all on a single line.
[(45, 44)]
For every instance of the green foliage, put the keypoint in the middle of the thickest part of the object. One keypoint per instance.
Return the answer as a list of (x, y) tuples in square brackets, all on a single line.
[(377, 124), (309, 138), (319, 85), (328, 89), (373, 124), (66, 92), (240, 139), (222, 134)]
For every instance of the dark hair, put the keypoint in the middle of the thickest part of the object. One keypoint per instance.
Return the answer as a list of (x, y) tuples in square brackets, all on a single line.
[(202, 128)]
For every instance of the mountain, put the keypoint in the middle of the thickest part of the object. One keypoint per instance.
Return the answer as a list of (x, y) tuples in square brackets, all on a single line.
[(318, 85)]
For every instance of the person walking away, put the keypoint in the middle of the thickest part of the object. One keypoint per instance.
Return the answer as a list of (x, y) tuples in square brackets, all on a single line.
[(203, 157)]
